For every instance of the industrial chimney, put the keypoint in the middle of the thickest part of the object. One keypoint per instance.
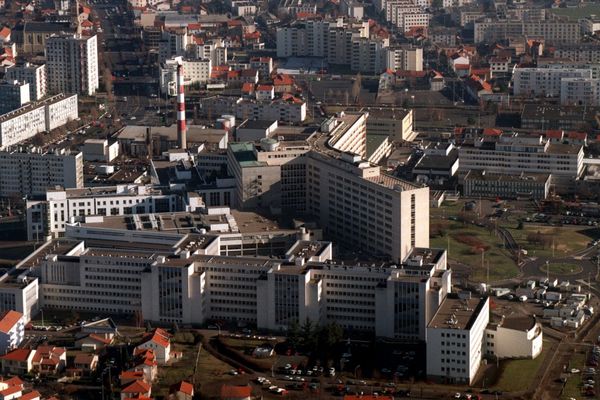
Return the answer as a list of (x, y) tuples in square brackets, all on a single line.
[(181, 127)]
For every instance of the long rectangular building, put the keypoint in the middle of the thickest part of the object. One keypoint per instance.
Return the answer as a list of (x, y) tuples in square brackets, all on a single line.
[(43, 116)]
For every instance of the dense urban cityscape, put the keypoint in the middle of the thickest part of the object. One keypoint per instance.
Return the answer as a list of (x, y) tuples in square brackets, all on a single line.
[(245, 199)]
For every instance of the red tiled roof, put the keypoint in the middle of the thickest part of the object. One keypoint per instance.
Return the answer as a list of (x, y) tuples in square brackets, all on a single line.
[(99, 338), (492, 132), (236, 392), (234, 22), (265, 88), (30, 396), (17, 355), (577, 135), (8, 320), (160, 336), (4, 32), (84, 359), (194, 26), (367, 397), (87, 24), (283, 79), (183, 387), (137, 387), (252, 35), (306, 15), (462, 66), (134, 375), (10, 390), (14, 381), (554, 134), (248, 87)]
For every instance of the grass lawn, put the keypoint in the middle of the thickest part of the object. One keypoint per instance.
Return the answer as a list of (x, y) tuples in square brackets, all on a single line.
[(461, 238), (566, 239), (573, 385), (516, 375), (210, 374), (562, 268)]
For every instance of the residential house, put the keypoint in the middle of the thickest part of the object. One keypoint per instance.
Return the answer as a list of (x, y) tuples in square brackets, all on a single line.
[(33, 395), (265, 92), (18, 361), (92, 342), (283, 83), (145, 361), (159, 342), (105, 328), (500, 66), (49, 359), (12, 328), (86, 363), (230, 392), (476, 87), (127, 377), (12, 389), (181, 391), (135, 389)]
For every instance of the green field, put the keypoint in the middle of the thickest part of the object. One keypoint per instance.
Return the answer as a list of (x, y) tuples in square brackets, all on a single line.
[(464, 243), (562, 269), (517, 375), (556, 241), (577, 13), (573, 385)]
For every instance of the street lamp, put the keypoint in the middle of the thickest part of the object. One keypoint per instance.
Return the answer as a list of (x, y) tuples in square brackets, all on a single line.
[(216, 326)]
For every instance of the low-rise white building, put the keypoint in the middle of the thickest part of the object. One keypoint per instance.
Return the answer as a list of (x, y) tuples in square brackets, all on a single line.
[(544, 81), (514, 337), (455, 339), (100, 150)]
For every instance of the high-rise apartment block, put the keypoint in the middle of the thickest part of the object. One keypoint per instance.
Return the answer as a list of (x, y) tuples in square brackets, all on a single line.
[(33, 74), (32, 172), (72, 64), (13, 95)]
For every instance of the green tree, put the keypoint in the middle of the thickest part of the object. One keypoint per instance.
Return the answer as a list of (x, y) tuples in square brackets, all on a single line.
[(308, 333), (293, 334)]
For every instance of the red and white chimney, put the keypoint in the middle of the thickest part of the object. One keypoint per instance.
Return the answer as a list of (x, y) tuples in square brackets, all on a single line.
[(181, 126)]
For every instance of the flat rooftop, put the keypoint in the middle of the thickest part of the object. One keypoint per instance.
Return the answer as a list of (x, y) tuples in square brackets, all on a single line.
[(455, 313), (489, 176), (195, 133), (307, 249)]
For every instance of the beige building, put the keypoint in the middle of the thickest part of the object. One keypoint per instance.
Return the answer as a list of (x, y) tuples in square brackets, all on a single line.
[(397, 123), (404, 58)]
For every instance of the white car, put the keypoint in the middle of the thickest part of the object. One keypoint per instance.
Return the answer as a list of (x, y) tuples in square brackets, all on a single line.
[(457, 395), (575, 371)]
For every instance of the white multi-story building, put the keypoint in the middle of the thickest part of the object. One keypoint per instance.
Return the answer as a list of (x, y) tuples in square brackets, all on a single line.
[(512, 154), (13, 95), (48, 218), (31, 173), (455, 339), (368, 55), (213, 50), (72, 64), (12, 330), (33, 74), (286, 109), (26, 122), (194, 71), (191, 282), (414, 20), (544, 81), (582, 53), (580, 91), (19, 292), (404, 58), (553, 31)]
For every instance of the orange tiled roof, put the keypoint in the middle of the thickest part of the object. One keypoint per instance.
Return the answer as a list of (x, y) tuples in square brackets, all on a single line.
[(4, 32), (17, 355), (264, 88), (10, 391), (30, 396), (236, 392), (248, 87), (138, 386), (183, 387), (8, 320)]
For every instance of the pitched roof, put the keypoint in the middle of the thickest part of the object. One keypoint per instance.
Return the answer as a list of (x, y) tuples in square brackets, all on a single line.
[(159, 337), (8, 320), (17, 355), (10, 390), (138, 386), (85, 358), (183, 387), (131, 375), (236, 392), (30, 396), (264, 87), (4, 32), (14, 381)]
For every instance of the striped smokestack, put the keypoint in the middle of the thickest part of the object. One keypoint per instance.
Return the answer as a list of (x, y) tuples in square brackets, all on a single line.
[(181, 126)]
